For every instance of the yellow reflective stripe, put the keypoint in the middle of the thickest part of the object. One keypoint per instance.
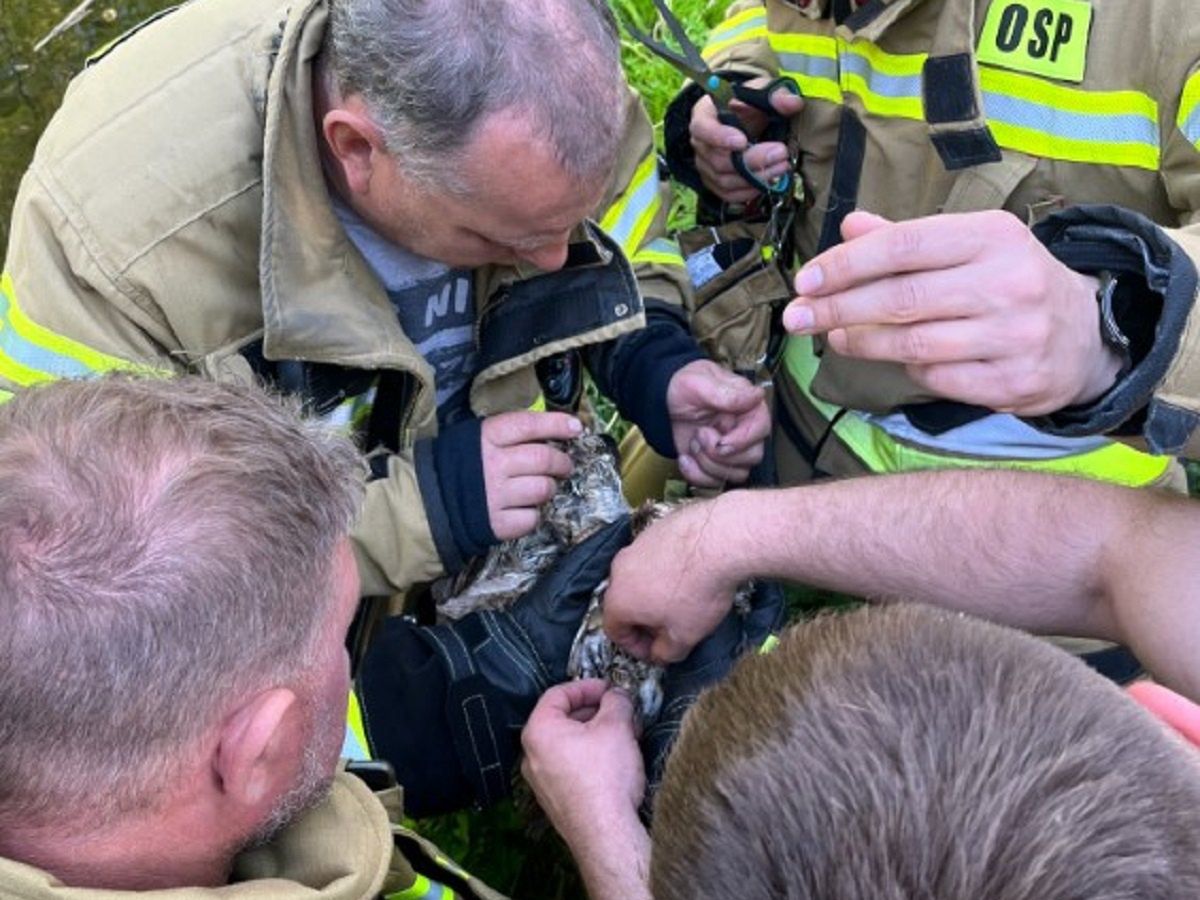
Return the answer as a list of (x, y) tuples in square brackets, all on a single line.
[(880, 452), (661, 251), (452, 867), (769, 643), (812, 61), (748, 25), (355, 744), (887, 84), (423, 889), (31, 353), (1033, 116), (1025, 113), (628, 220), (1189, 110), (5, 396)]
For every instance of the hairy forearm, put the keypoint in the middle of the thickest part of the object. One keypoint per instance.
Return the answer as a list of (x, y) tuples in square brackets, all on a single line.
[(614, 859), (1047, 554)]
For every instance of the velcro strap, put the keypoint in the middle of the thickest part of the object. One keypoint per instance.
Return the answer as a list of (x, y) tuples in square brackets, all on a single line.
[(483, 752)]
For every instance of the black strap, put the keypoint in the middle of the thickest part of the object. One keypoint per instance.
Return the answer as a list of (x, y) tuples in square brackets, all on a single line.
[(393, 393), (847, 173)]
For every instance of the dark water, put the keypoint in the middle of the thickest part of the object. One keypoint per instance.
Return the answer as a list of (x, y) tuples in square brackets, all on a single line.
[(32, 81)]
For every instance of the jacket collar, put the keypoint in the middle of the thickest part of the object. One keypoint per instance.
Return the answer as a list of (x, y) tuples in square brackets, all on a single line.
[(321, 302), (339, 851)]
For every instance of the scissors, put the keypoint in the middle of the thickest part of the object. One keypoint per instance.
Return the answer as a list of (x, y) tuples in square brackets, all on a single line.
[(723, 91)]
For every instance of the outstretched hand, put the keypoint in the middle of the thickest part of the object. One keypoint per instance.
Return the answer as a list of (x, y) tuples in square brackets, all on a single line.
[(719, 421), (973, 306)]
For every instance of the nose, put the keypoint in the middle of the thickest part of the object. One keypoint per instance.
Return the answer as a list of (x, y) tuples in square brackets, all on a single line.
[(548, 257)]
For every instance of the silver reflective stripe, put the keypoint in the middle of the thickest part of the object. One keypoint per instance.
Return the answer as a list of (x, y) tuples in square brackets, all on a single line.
[(998, 436), (1106, 127), (898, 86), (1191, 127), (813, 66), (634, 206), (30, 355)]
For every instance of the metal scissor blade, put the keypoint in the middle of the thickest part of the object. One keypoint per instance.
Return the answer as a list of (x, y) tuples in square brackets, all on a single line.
[(690, 53), (688, 60)]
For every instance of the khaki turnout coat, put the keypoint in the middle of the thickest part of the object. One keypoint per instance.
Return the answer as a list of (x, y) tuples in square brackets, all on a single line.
[(175, 218), (1038, 107)]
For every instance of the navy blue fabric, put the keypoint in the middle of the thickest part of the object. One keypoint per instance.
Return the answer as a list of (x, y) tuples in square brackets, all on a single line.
[(450, 473), (641, 368), (1089, 238)]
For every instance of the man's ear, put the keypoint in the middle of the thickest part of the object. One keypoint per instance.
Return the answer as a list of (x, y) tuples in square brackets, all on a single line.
[(260, 748), (353, 141)]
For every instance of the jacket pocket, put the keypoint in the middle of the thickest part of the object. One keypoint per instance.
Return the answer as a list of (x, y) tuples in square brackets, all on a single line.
[(737, 290)]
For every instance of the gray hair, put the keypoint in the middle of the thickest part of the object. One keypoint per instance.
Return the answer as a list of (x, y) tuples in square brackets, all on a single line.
[(902, 752), (166, 547), (431, 71)]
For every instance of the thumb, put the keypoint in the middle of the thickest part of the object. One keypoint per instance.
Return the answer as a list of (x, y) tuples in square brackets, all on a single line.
[(861, 222), (786, 103), (616, 707), (735, 394)]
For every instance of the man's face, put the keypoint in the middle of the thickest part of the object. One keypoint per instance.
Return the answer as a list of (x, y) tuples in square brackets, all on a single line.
[(521, 209), (324, 694)]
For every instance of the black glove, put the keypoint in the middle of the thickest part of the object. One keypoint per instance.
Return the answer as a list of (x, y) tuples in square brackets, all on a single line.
[(445, 704), (709, 662)]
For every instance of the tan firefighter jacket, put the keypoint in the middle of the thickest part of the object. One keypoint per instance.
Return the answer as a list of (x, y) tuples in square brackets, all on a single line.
[(1032, 106), (175, 218), (349, 848)]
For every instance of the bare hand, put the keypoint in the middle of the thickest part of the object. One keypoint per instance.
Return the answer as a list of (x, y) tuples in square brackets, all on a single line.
[(973, 305), (520, 468), (715, 143), (719, 421), (671, 587), (582, 759)]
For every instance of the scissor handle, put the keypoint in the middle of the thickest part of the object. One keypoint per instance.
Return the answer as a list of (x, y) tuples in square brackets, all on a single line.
[(776, 130)]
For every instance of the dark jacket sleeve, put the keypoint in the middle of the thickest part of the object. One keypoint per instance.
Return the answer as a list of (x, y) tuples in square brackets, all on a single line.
[(1158, 283), (635, 370)]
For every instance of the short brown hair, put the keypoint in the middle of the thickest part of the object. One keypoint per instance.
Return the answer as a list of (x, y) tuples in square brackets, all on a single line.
[(902, 752), (165, 546)]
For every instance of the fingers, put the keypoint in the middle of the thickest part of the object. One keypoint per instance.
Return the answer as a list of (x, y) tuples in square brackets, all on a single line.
[(616, 708), (631, 638), (925, 343), (768, 161), (897, 299), (513, 428), (933, 242), (786, 103), (716, 465), (563, 699), (513, 523), (1171, 708), (668, 648), (707, 131), (861, 222)]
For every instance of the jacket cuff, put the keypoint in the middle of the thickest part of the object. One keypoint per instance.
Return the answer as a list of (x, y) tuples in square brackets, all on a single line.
[(450, 474), (642, 371), (1088, 239)]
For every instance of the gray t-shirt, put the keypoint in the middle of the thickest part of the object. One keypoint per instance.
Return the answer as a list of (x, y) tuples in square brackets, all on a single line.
[(436, 308)]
